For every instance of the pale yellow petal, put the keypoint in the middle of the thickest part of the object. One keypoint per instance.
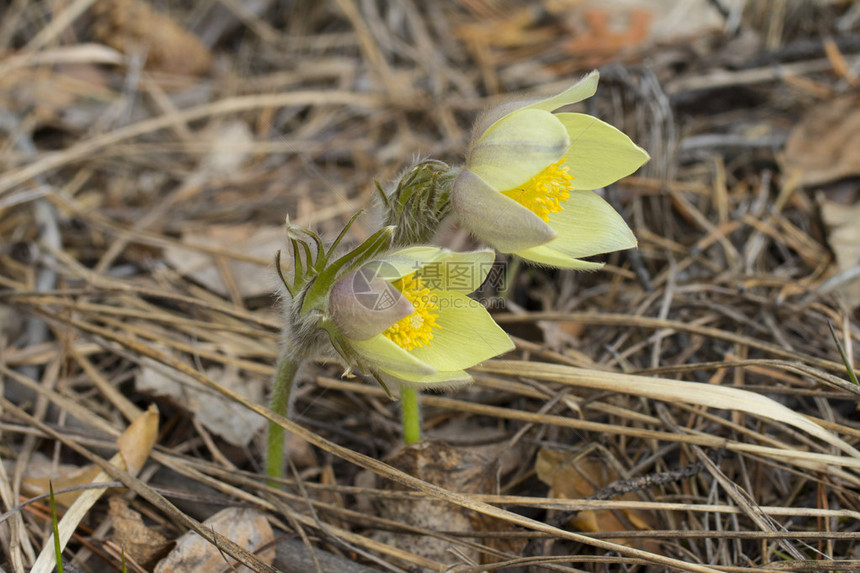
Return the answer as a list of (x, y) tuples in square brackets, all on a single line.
[(583, 89), (440, 269), (444, 380), (588, 225), (599, 154), (467, 335), (518, 147), (380, 352), (548, 256)]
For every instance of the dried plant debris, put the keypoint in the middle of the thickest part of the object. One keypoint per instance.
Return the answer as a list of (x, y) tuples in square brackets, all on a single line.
[(135, 27), (220, 416), (579, 476), (199, 257), (142, 543), (825, 144), (455, 469), (247, 527), (683, 409), (41, 472), (843, 235)]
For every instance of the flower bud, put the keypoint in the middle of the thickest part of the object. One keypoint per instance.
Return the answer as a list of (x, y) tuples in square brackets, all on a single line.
[(418, 202)]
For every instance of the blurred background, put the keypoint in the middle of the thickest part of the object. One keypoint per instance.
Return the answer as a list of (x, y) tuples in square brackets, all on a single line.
[(150, 151)]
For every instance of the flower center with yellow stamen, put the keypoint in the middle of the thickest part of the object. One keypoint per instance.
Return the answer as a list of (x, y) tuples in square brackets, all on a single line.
[(544, 193), (417, 328)]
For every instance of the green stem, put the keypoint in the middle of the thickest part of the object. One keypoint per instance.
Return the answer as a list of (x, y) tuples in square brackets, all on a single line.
[(510, 276), (410, 415), (280, 402)]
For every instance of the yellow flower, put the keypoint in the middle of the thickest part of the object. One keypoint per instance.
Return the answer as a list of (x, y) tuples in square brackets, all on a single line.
[(527, 186), (406, 318)]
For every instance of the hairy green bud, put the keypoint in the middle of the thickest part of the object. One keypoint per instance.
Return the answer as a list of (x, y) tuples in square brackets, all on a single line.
[(419, 201)]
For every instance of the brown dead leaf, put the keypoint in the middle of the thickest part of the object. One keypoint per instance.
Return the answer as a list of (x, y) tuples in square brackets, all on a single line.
[(602, 30), (571, 476), (220, 416), (623, 23), (250, 279), (141, 543), (825, 144), (491, 442), (134, 26), (41, 470), (572, 328), (247, 527), (134, 446), (602, 39), (136, 443), (299, 451), (843, 235), (559, 335), (138, 439), (72, 96)]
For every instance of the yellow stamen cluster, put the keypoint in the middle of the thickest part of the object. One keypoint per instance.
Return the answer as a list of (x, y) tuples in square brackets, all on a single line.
[(544, 193), (417, 328)]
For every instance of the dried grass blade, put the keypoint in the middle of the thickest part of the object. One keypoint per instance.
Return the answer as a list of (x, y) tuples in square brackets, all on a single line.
[(139, 439), (844, 355), (380, 468), (721, 397)]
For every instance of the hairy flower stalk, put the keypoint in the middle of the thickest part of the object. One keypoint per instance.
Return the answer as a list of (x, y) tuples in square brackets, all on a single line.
[(312, 271), (528, 184), (402, 317)]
